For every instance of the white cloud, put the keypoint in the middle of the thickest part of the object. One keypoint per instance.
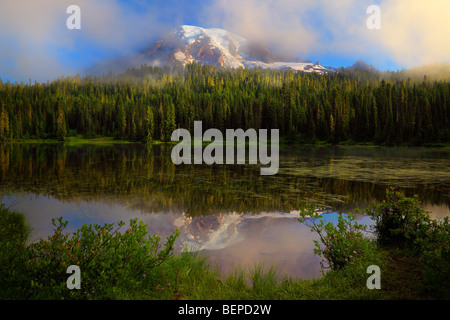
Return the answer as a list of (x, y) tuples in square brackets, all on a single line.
[(277, 21), (34, 35), (416, 32), (413, 32)]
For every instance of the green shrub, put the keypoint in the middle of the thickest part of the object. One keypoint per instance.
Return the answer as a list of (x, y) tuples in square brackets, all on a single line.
[(14, 234), (108, 259), (341, 244), (435, 258), (399, 220)]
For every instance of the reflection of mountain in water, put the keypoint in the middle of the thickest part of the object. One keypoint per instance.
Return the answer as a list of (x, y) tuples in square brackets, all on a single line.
[(220, 231), (215, 232), (271, 238)]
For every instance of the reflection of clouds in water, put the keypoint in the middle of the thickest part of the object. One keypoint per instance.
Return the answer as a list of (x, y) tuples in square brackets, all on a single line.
[(437, 212), (229, 239), (39, 211), (285, 244), (243, 240), (272, 238)]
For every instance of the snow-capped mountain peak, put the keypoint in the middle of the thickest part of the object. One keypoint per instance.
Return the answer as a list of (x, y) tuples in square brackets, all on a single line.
[(187, 44), (217, 47), (219, 36)]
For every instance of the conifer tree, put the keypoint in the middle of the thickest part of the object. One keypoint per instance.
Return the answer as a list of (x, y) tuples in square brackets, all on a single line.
[(169, 121), (4, 123), (61, 125), (149, 124)]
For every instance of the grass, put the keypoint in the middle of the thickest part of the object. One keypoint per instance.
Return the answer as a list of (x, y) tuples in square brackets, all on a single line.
[(74, 141), (402, 276), (189, 276)]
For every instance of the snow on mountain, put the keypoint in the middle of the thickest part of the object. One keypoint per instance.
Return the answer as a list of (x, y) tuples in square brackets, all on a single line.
[(218, 231), (213, 46)]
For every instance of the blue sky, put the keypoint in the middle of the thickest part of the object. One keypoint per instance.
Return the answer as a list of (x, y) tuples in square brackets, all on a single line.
[(35, 43)]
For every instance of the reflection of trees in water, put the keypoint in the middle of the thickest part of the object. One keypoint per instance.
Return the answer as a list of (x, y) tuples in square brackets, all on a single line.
[(146, 179)]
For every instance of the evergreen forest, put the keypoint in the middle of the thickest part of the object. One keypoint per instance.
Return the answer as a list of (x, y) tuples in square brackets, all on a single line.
[(148, 103)]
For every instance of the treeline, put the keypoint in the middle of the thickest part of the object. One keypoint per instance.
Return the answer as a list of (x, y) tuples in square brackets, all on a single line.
[(150, 102)]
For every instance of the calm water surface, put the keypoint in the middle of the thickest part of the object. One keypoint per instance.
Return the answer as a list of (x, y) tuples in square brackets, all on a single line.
[(232, 213)]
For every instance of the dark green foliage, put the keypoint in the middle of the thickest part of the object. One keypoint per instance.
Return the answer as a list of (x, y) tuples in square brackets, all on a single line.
[(401, 222), (109, 260), (14, 235), (360, 106), (340, 244)]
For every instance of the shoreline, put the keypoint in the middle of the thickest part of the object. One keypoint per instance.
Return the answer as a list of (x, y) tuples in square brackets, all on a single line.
[(284, 143)]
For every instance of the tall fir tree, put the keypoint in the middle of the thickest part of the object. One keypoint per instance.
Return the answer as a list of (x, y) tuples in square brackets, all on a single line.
[(4, 123), (149, 124)]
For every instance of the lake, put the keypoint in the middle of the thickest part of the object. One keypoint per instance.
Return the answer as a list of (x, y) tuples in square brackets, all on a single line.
[(229, 212)]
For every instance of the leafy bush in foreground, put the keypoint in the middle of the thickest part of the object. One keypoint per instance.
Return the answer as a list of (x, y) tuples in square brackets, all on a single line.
[(401, 222), (14, 234), (109, 261), (341, 244)]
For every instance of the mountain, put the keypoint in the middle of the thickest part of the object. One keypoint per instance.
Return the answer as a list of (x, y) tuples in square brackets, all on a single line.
[(362, 65), (212, 46)]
